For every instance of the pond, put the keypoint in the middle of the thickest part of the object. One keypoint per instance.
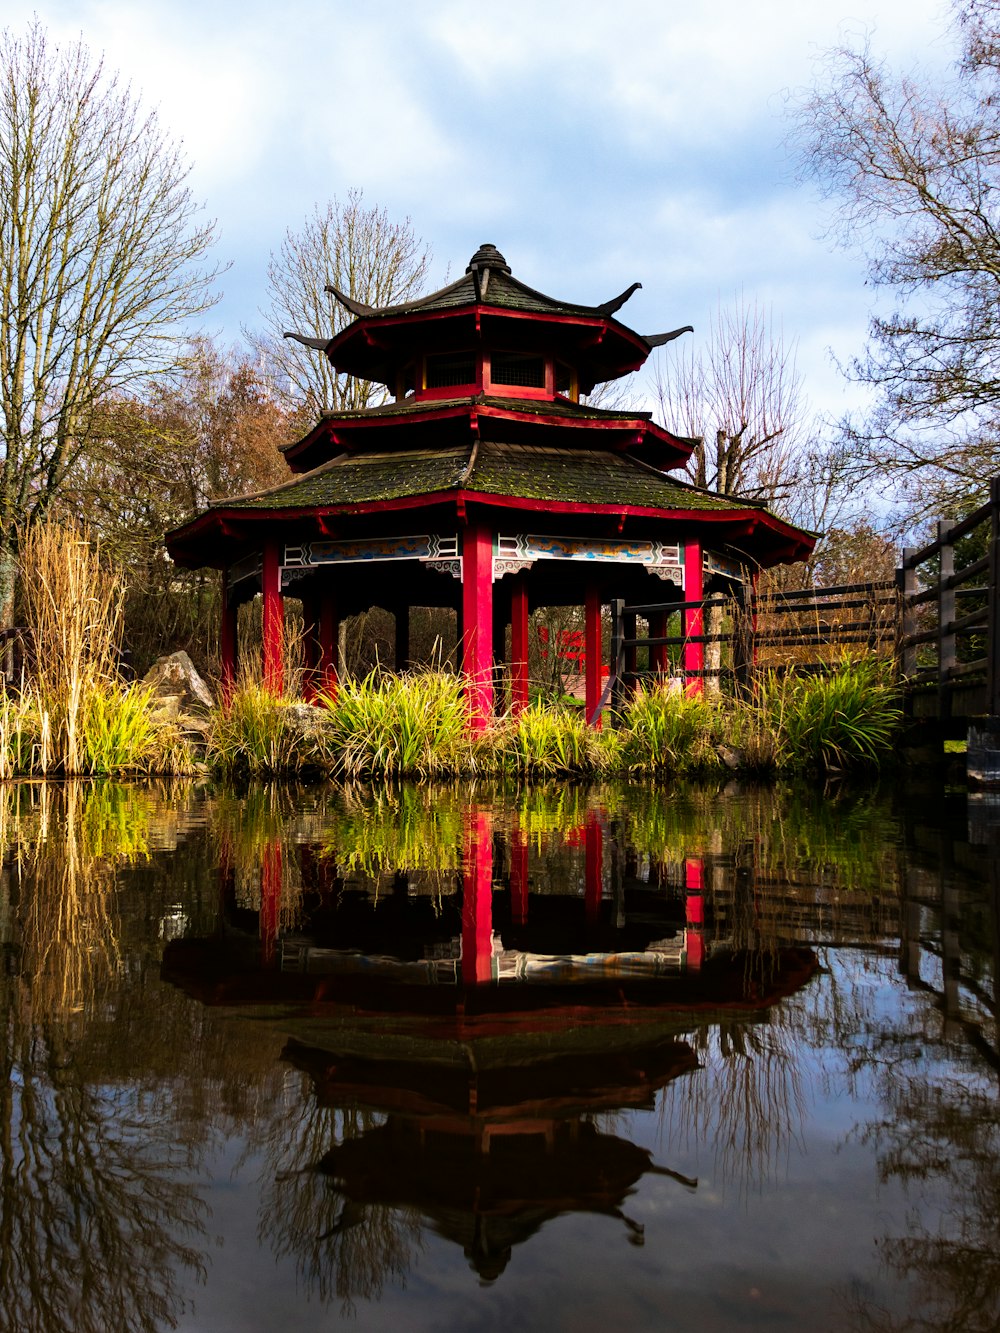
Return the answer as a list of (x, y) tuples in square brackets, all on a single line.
[(462, 1058)]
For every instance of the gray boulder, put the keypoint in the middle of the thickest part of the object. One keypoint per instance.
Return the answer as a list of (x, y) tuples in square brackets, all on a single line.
[(177, 686)]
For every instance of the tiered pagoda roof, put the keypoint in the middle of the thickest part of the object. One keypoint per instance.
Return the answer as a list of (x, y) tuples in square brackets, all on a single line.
[(487, 375)]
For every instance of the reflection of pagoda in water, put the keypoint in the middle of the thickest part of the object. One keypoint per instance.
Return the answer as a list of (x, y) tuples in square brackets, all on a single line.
[(474, 1036), (488, 1157)]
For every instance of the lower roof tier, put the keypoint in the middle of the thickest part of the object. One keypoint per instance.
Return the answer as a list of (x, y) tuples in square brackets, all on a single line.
[(554, 480)]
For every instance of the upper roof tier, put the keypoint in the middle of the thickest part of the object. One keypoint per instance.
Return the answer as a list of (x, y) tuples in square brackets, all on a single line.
[(485, 312)]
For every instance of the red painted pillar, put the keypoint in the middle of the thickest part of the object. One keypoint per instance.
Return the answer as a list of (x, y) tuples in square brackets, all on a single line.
[(328, 627), (227, 641), (519, 645), (477, 899), (592, 624), (270, 901), (593, 874), (694, 653), (272, 618), (694, 911), (518, 876), (477, 623)]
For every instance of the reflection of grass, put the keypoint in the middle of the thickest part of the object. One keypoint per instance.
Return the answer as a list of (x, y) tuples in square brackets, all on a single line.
[(404, 829)]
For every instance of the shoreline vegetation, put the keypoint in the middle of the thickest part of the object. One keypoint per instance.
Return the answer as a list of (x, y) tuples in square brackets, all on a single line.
[(75, 715)]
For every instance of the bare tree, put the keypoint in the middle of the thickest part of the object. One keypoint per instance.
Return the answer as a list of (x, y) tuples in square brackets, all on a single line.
[(100, 253), (740, 397), (370, 258), (914, 168)]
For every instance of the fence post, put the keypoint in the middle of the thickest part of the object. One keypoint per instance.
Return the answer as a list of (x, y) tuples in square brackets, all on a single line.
[(617, 652), (993, 633), (906, 579), (947, 656)]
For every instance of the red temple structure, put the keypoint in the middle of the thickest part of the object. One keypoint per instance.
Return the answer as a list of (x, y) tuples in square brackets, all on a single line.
[(486, 485)]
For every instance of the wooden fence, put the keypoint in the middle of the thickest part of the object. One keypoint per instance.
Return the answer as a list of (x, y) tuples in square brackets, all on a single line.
[(808, 629), (950, 640)]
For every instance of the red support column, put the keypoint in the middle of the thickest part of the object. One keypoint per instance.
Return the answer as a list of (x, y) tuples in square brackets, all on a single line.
[(270, 901), (477, 899), (328, 627), (477, 623), (272, 619), (594, 679), (519, 645), (227, 641), (694, 911), (593, 874), (518, 876), (694, 621)]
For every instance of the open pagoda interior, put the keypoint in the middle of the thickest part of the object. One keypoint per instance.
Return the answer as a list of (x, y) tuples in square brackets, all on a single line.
[(483, 484)]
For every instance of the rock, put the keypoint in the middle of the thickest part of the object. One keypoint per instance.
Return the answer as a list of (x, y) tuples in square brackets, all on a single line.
[(732, 758), (175, 677)]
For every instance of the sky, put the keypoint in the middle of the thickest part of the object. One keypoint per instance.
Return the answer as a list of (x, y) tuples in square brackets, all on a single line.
[(596, 144)]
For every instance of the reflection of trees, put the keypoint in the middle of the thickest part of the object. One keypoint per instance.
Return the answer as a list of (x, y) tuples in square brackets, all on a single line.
[(937, 1140), (748, 1100), (93, 1219), (342, 1250)]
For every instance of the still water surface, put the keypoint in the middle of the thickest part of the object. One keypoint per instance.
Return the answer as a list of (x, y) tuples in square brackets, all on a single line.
[(461, 1059)]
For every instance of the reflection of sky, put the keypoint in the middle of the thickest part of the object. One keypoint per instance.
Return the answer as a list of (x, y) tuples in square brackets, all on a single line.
[(594, 144), (782, 1250)]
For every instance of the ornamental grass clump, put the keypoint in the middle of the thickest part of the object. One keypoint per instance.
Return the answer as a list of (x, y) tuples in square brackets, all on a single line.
[(254, 735), (828, 723), (74, 714), (412, 725), (117, 730), (544, 743), (665, 730)]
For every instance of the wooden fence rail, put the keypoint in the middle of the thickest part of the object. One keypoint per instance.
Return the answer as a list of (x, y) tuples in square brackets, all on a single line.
[(949, 651)]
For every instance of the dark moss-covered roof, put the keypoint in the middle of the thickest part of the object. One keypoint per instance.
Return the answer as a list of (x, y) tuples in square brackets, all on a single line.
[(591, 476), (488, 281)]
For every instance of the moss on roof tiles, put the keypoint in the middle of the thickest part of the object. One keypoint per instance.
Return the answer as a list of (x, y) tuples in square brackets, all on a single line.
[(365, 480), (578, 475), (556, 475)]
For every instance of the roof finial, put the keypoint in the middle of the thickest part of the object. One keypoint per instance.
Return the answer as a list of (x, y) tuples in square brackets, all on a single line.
[(488, 256)]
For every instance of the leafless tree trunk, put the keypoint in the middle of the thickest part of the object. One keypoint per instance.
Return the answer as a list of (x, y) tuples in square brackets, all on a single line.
[(100, 247)]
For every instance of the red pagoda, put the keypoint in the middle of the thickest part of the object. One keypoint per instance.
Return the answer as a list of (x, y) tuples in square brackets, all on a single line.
[(485, 485)]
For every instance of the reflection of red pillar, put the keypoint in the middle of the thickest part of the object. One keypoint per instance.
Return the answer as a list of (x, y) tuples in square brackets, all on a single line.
[(328, 626), (270, 901), (694, 653), (519, 645), (593, 875), (477, 623), (477, 899), (227, 640), (592, 625), (272, 618), (518, 877), (694, 911)]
